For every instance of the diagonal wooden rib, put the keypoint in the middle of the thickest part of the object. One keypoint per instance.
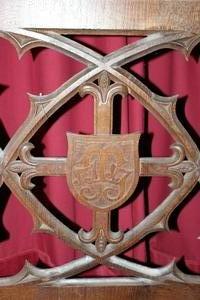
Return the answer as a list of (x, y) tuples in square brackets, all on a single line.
[(42, 108), (42, 217), (30, 273), (184, 42), (162, 108), (55, 275), (25, 40), (158, 219)]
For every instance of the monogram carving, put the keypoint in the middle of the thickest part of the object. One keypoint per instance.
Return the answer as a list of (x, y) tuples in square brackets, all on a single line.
[(102, 172)]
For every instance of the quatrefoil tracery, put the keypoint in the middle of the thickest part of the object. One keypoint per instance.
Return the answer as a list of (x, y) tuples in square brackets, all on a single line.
[(105, 68)]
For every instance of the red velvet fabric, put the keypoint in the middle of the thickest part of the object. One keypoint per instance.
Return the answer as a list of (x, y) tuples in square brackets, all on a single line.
[(43, 70)]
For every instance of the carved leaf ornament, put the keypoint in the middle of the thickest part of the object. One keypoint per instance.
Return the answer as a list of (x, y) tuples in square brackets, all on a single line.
[(102, 170)]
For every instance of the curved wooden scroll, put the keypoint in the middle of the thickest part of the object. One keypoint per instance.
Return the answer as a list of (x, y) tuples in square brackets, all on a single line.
[(106, 158)]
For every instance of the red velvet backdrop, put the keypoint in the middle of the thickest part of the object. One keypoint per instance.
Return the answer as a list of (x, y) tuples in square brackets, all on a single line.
[(43, 70)]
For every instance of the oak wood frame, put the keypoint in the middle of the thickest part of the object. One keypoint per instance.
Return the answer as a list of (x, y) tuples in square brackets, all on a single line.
[(184, 173)]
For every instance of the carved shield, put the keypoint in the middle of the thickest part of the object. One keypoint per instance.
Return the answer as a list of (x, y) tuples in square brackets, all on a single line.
[(103, 170)]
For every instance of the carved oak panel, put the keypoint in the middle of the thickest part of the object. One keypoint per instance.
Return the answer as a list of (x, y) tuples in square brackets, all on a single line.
[(102, 170)]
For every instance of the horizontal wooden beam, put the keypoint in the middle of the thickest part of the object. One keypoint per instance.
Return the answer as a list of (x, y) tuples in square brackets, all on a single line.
[(164, 292), (102, 17)]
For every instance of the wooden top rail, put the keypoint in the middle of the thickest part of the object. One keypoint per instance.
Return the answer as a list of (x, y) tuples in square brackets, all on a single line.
[(102, 16)]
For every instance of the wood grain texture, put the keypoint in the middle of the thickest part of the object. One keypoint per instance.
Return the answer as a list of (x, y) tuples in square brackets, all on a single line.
[(102, 165), (106, 16), (161, 292)]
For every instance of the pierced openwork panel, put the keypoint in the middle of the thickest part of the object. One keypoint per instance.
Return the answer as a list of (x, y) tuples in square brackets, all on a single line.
[(102, 170)]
